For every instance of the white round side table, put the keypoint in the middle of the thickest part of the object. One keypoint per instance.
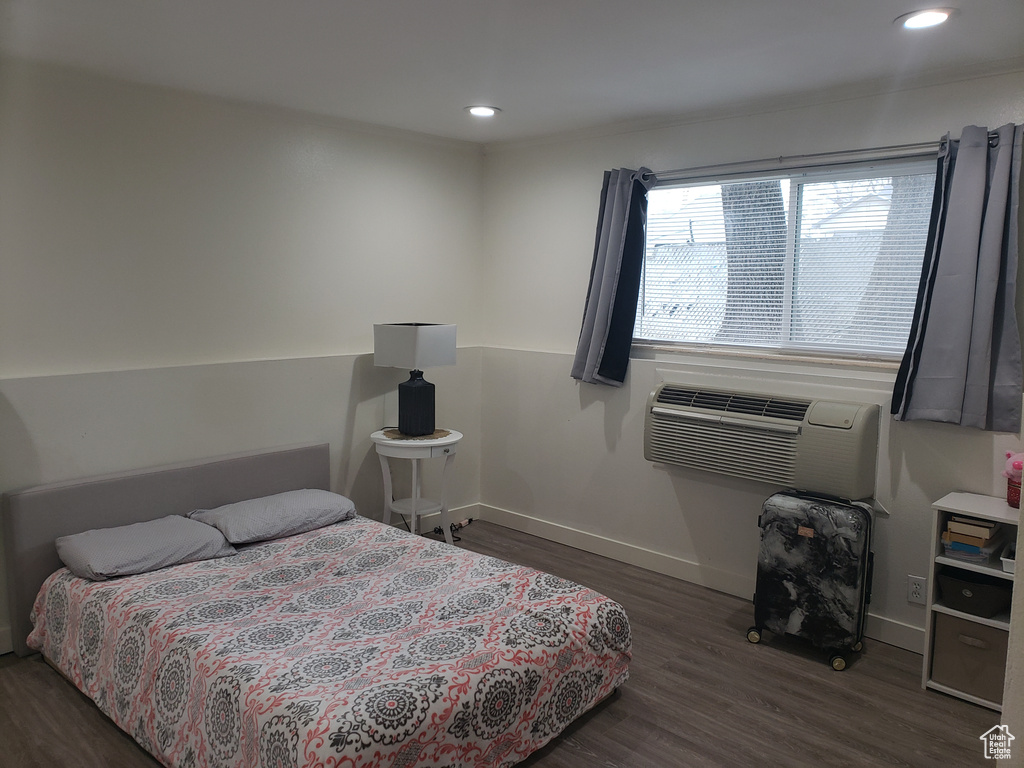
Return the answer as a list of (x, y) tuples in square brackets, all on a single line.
[(391, 444)]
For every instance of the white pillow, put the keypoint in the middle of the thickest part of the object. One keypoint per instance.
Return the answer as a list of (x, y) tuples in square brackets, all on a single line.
[(283, 514), (104, 553)]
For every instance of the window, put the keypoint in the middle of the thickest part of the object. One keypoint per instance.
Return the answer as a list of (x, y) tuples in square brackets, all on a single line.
[(824, 261)]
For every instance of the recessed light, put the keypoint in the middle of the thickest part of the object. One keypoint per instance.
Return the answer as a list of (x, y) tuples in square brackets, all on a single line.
[(929, 17), (482, 111)]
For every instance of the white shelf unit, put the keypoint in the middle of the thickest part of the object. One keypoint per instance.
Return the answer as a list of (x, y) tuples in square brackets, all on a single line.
[(983, 508)]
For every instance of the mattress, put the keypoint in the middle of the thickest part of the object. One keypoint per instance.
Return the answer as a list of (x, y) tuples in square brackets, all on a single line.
[(357, 644)]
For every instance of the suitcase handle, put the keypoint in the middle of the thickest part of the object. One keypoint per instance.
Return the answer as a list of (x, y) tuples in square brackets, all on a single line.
[(815, 496)]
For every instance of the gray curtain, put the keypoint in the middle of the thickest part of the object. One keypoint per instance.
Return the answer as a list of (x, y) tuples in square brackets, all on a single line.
[(963, 359), (602, 353)]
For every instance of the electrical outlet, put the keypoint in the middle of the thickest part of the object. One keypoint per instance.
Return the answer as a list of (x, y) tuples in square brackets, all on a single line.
[(917, 588)]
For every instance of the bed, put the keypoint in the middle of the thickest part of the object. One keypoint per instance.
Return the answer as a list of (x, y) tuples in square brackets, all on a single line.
[(351, 644)]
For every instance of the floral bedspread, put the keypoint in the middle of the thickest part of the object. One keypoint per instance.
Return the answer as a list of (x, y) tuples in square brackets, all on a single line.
[(352, 645)]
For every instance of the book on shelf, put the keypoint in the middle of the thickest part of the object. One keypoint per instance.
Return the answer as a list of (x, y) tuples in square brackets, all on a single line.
[(977, 553), (963, 538), (973, 520), (982, 529)]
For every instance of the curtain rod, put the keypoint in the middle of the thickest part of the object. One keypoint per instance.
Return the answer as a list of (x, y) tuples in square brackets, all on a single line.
[(792, 162)]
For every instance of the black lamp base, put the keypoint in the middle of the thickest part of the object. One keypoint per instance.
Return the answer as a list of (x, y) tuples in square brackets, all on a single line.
[(416, 406)]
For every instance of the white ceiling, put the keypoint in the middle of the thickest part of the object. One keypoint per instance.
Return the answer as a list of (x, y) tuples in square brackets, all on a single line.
[(551, 65)]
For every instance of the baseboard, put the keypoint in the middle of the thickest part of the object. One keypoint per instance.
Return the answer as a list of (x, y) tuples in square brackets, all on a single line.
[(895, 633), (429, 522), (6, 646), (695, 573), (878, 627), (467, 512)]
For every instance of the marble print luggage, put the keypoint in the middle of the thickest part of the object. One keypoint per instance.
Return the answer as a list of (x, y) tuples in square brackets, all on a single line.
[(814, 571)]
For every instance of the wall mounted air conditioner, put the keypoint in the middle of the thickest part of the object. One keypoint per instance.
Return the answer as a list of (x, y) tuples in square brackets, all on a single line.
[(815, 445)]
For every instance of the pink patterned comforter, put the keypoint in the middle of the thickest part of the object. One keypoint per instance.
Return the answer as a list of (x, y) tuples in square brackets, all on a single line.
[(353, 645)]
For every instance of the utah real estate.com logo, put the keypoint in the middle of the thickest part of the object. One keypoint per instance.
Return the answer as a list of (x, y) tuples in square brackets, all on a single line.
[(997, 742)]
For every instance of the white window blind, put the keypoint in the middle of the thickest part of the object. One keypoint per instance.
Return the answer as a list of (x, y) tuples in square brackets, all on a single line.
[(822, 260)]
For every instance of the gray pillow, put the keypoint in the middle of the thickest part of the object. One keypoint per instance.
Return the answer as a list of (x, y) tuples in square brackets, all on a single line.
[(105, 553), (283, 514)]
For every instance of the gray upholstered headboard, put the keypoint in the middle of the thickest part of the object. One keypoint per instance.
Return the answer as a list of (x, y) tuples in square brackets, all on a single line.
[(33, 518)]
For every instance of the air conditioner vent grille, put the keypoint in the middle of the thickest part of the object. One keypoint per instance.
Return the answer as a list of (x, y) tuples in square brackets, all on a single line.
[(733, 402), (738, 451), (765, 437)]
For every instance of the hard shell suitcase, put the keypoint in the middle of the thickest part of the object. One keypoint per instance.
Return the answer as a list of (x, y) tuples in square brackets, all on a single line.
[(814, 571)]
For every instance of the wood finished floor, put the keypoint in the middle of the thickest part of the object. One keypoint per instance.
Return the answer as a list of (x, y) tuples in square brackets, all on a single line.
[(699, 694)]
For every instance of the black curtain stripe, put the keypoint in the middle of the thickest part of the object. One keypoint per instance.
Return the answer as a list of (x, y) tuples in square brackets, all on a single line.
[(609, 314)]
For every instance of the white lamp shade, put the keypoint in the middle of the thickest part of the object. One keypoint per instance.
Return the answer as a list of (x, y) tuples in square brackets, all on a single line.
[(413, 346)]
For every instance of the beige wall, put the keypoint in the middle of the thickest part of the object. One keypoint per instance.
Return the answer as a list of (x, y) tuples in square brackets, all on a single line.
[(185, 277), (542, 196), (74, 425), (145, 227), (573, 469)]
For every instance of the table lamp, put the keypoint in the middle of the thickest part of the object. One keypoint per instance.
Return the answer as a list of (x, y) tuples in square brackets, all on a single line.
[(414, 346)]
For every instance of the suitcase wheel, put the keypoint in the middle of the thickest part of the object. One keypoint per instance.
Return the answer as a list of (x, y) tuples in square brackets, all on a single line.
[(837, 662), (858, 648), (754, 635)]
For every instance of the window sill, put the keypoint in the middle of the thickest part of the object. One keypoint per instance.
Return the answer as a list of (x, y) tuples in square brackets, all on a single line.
[(645, 350), (767, 371)]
